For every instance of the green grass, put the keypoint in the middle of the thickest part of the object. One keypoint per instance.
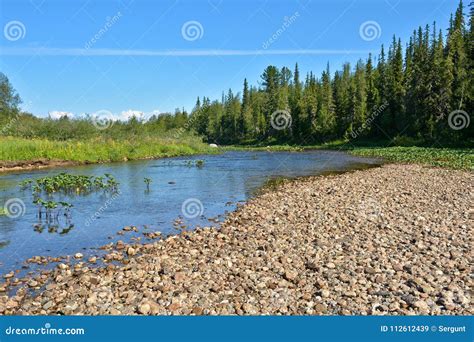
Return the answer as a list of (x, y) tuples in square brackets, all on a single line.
[(462, 159), (448, 157), (274, 148), (99, 150)]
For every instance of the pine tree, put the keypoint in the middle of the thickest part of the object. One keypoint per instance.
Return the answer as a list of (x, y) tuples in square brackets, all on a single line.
[(381, 84), (342, 101), (325, 120), (458, 55), (359, 95), (417, 90), (271, 84), (310, 108), (245, 114), (296, 105), (372, 92)]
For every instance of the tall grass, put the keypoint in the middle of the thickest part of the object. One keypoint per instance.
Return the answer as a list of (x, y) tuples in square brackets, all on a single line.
[(99, 149), (445, 157)]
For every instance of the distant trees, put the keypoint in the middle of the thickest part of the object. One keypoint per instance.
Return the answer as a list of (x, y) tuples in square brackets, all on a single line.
[(9, 98), (407, 91)]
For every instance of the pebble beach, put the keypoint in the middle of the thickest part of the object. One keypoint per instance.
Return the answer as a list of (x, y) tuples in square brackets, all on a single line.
[(391, 240)]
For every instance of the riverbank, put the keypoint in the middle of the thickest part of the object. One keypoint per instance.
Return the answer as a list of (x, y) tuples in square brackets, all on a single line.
[(389, 240), (25, 154), (453, 158)]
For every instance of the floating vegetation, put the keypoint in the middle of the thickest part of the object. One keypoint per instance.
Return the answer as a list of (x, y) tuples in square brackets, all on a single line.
[(147, 182), (71, 184), (49, 210), (198, 163)]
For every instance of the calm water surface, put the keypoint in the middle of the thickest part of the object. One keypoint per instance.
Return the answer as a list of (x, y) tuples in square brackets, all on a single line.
[(219, 185)]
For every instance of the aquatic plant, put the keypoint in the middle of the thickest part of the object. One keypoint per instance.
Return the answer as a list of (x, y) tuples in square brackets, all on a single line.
[(147, 182), (198, 163), (70, 184), (26, 183), (49, 210)]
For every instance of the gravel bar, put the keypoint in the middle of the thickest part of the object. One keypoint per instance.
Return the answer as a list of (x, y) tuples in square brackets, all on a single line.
[(392, 240)]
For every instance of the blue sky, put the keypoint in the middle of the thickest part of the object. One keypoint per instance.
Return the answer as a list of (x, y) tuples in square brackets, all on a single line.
[(143, 59)]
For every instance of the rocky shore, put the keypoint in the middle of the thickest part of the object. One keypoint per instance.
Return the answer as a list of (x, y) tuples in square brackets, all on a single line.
[(393, 240)]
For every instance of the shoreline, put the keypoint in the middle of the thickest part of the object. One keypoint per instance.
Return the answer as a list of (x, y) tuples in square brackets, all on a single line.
[(396, 155), (286, 252), (37, 164)]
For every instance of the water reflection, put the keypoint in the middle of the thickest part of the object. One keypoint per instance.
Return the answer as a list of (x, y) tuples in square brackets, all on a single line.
[(219, 184)]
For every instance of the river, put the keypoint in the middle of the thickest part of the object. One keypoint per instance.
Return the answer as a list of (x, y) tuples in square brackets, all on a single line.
[(197, 196)]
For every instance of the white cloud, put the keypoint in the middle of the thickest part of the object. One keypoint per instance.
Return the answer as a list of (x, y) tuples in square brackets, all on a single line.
[(57, 114), (128, 114), (154, 112), (124, 115)]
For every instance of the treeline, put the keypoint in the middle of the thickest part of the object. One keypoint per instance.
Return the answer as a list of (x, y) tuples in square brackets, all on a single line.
[(14, 122), (422, 91), (26, 125)]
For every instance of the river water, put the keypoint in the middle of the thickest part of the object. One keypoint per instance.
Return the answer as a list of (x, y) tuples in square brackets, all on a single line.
[(198, 196)]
